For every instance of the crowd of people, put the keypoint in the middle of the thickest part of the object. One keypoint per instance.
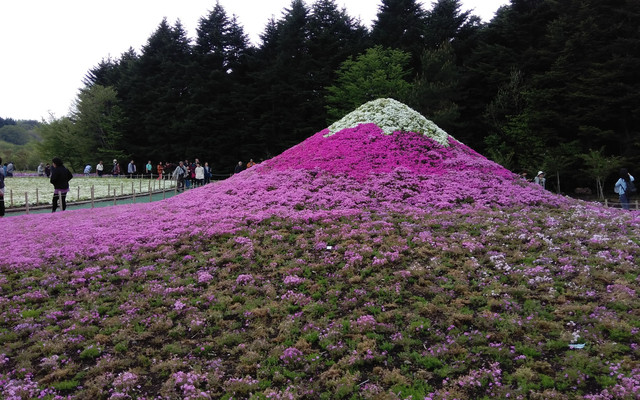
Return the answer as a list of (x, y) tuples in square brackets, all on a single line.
[(187, 175)]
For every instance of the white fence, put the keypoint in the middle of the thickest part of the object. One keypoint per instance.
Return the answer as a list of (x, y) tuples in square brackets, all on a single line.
[(129, 189)]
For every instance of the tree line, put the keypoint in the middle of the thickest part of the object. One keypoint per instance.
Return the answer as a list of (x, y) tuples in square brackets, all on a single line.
[(544, 85)]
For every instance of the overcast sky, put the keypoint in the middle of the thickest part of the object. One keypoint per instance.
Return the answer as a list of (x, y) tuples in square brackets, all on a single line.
[(47, 46)]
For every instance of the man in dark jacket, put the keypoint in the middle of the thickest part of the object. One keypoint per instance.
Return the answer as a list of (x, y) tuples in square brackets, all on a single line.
[(60, 177)]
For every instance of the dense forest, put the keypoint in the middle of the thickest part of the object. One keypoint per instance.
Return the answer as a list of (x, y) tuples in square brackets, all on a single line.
[(545, 84)]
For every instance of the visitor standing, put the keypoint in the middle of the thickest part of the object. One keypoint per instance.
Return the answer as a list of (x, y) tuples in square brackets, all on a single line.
[(160, 169), (1, 190), (540, 179), (179, 175), (238, 168), (47, 170), (131, 169), (10, 169), (148, 169), (623, 186), (41, 169), (199, 175), (100, 168), (60, 177), (251, 163), (115, 171), (207, 173), (87, 170)]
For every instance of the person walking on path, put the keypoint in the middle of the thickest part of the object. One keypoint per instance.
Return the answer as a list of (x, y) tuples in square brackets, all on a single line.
[(623, 186), (116, 168), (60, 177), (1, 190), (179, 175), (160, 169), (131, 169)]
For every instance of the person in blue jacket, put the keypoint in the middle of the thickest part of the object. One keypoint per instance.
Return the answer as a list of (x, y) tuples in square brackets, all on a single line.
[(622, 187)]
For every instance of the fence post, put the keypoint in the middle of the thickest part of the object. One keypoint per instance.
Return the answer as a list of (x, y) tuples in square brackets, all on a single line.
[(121, 188), (140, 180), (92, 195), (108, 189), (133, 195), (37, 197), (10, 197), (114, 197), (78, 193), (26, 202)]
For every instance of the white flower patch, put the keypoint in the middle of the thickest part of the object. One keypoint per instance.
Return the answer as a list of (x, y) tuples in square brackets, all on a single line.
[(391, 116)]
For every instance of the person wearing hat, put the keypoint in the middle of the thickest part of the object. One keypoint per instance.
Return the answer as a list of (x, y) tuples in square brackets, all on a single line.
[(540, 179), (60, 177)]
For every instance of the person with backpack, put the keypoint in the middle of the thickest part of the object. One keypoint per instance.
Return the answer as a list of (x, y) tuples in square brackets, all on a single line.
[(625, 188)]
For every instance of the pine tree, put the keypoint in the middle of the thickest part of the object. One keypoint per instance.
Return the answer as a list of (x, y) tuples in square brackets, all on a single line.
[(401, 24), (159, 94)]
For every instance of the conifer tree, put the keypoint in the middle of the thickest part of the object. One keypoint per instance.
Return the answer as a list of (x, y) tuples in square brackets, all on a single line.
[(159, 94), (401, 24)]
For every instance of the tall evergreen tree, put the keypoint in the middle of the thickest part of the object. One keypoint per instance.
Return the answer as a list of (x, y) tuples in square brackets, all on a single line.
[(334, 36), (377, 73), (217, 101), (158, 95), (590, 91), (283, 106), (445, 22), (435, 91), (401, 24), (99, 119)]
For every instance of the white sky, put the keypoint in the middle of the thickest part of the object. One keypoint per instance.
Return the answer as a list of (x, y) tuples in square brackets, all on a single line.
[(47, 46)]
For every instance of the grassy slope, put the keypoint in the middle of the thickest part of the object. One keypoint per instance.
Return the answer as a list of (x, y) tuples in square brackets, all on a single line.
[(422, 281)]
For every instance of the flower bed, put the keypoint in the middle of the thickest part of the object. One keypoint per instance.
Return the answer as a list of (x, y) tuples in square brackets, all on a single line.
[(358, 265)]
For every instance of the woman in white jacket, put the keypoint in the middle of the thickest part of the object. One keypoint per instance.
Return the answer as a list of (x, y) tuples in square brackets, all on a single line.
[(622, 187), (199, 175)]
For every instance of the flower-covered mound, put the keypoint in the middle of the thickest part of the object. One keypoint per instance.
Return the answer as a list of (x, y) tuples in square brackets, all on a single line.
[(391, 116), (359, 265)]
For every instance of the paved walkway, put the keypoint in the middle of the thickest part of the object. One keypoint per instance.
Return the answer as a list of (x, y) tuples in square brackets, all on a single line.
[(104, 202)]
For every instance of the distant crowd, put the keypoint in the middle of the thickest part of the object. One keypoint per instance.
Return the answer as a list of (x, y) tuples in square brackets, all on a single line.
[(187, 174), (194, 173)]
